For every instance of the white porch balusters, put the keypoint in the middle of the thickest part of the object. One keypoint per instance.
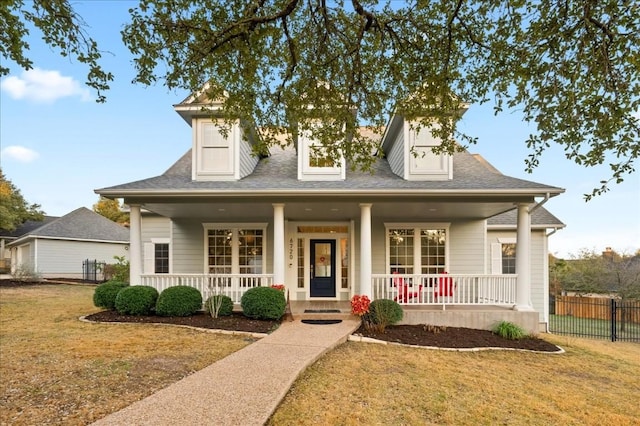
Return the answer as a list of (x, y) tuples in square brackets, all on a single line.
[(365, 250), (278, 244), (523, 262), (135, 245)]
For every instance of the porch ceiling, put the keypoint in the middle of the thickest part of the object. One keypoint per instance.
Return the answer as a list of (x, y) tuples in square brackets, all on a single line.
[(326, 210)]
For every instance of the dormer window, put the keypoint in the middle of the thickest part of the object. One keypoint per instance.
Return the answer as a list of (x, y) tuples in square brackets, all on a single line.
[(314, 163), (424, 164), (214, 153), (216, 150)]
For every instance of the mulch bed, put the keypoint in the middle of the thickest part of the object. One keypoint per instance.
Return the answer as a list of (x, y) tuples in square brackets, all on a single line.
[(235, 322), (417, 335), (454, 337)]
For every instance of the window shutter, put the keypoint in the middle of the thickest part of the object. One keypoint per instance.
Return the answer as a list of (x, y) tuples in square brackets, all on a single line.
[(148, 258), (496, 258)]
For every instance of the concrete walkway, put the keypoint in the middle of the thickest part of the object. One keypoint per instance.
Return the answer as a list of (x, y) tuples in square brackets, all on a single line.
[(244, 388)]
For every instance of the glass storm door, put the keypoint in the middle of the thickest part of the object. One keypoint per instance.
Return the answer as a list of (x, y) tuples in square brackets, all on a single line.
[(323, 268)]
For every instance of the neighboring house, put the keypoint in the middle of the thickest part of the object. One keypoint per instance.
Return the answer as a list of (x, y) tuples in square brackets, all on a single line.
[(58, 248), (8, 236), (221, 217)]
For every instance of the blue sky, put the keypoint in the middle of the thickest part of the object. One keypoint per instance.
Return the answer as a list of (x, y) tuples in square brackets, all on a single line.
[(58, 145)]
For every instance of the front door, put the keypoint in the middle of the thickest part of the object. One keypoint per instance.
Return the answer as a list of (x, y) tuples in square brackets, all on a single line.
[(323, 268)]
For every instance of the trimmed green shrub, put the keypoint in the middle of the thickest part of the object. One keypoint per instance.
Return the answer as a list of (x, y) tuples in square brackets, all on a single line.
[(179, 301), (105, 294), (220, 301), (136, 300), (509, 330), (263, 303), (384, 312)]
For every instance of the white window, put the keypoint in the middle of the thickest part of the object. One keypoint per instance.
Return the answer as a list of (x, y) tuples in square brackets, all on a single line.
[(420, 249), (314, 162), (157, 256), (423, 162), (503, 256), (235, 249), (214, 150)]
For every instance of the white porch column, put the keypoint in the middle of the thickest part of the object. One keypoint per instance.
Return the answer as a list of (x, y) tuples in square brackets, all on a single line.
[(523, 262), (135, 245), (365, 250), (278, 244)]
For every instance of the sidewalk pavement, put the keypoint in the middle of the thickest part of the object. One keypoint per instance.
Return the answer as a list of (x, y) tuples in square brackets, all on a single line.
[(244, 388)]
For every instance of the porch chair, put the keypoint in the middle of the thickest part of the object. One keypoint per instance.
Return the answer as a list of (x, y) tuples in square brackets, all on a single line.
[(405, 292), (445, 286)]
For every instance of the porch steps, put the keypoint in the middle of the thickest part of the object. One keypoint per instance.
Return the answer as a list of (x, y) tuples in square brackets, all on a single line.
[(324, 316), (322, 311)]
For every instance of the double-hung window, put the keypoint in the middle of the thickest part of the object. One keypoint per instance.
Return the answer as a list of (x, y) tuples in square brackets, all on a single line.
[(416, 249), (235, 249), (503, 256)]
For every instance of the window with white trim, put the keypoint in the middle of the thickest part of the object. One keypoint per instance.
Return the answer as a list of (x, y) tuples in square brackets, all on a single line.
[(416, 250), (156, 256), (235, 250), (161, 258), (508, 258), (503, 256)]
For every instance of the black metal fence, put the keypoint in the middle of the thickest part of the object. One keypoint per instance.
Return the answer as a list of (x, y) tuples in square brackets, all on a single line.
[(595, 317), (92, 270)]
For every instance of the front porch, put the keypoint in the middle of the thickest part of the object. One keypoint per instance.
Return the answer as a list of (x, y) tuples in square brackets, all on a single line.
[(453, 300)]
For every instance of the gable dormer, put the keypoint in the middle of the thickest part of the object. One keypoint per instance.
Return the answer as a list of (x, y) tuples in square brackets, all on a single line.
[(313, 163), (221, 150), (409, 151)]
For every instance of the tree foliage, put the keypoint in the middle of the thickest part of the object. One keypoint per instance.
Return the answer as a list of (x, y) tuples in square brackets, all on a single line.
[(112, 210), (571, 67), (14, 209), (605, 273), (62, 29)]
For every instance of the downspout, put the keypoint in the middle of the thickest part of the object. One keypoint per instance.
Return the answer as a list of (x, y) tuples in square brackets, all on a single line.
[(546, 198), (552, 232)]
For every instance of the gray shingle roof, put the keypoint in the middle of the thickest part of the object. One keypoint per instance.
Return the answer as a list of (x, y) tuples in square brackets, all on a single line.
[(26, 227), (279, 172), (81, 224), (540, 218)]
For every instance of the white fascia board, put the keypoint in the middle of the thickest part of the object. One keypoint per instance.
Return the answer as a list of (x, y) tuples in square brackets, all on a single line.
[(40, 237), (218, 192)]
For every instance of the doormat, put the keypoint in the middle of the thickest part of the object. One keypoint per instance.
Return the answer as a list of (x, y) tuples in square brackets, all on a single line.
[(321, 322), (322, 311)]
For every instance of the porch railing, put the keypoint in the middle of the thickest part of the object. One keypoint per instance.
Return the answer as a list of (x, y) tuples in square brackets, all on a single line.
[(232, 285), (449, 289)]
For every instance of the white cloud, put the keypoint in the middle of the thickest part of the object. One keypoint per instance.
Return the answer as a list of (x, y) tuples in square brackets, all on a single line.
[(43, 86), (19, 153)]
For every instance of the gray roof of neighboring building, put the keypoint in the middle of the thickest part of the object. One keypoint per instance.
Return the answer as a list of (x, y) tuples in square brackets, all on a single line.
[(278, 172), (540, 218), (26, 227), (80, 224)]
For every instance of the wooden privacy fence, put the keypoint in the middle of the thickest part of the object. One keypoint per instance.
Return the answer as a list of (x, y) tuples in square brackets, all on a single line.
[(596, 308)]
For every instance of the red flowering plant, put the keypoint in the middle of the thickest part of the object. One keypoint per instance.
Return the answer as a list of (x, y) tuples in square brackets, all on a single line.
[(360, 307), (278, 286)]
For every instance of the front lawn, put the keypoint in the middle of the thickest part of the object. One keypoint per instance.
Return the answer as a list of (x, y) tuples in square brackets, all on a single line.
[(58, 370)]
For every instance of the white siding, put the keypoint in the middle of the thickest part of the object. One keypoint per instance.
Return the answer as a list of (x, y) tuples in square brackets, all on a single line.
[(466, 247), (538, 261), (63, 258), (395, 156), (248, 161), (188, 246), (155, 227)]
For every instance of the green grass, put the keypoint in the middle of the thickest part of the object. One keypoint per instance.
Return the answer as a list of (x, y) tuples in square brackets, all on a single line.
[(566, 324)]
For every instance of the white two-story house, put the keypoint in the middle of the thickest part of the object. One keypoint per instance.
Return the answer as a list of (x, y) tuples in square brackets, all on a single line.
[(454, 241)]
